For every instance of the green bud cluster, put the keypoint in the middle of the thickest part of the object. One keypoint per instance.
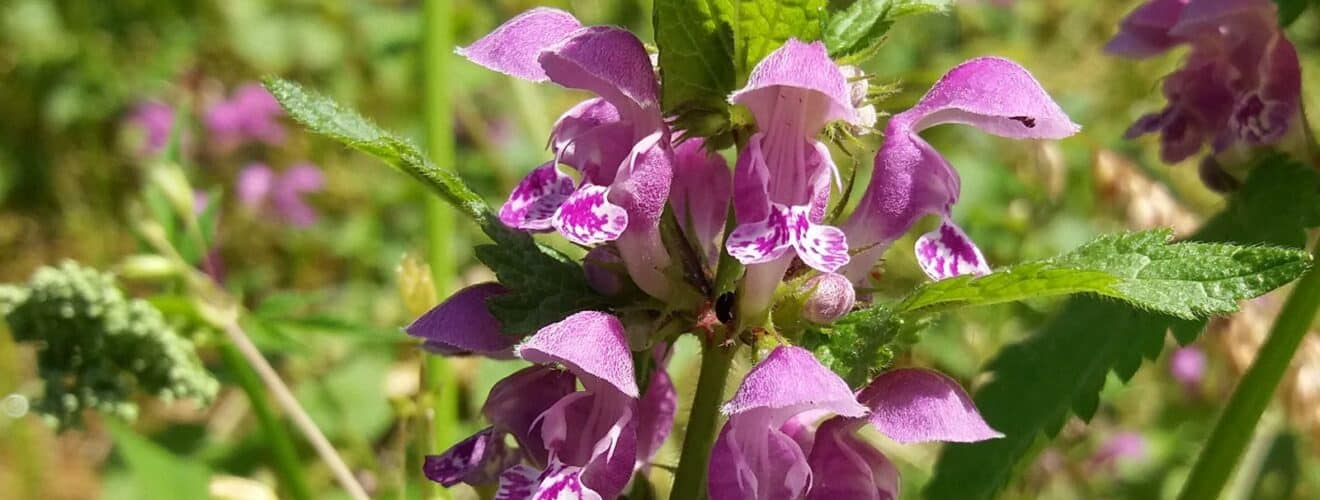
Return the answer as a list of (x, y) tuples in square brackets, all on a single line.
[(96, 348)]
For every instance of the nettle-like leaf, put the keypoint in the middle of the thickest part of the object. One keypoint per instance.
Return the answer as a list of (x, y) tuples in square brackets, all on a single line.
[(1290, 10), (546, 285), (763, 25), (854, 34), (859, 345), (1187, 280), (695, 40), (1036, 384)]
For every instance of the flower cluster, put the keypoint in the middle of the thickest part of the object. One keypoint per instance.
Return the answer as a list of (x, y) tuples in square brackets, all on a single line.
[(584, 431), (1240, 84), (250, 115), (97, 348)]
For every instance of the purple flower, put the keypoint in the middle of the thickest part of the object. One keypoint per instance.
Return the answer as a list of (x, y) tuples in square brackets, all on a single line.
[(156, 121), (258, 187), (768, 449), (912, 180), (617, 141), (700, 195), (1187, 366), (1119, 448), (251, 113), (1241, 84), (573, 443), (463, 325), (781, 183)]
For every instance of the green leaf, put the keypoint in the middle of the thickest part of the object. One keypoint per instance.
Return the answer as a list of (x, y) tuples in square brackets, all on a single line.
[(158, 474), (1290, 10), (325, 117), (546, 285), (695, 41), (857, 346), (763, 25), (1280, 198), (855, 33), (1037, 383), (1187, 280)]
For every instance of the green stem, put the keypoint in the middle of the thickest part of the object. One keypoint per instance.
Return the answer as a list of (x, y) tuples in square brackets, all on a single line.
[(690, 479), (440, 387), (282, 450), (1253, 393)]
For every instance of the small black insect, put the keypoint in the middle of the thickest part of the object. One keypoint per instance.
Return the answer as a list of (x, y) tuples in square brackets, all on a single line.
[(1027, 121), (724, 307)]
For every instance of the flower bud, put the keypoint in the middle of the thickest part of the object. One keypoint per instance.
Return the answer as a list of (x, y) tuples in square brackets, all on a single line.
[(830, 297), (603, 267)]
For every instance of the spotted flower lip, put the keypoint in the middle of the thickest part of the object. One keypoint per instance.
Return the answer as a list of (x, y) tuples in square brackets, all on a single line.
[(586, 443), (781, 184), (912, 180), (618, 142), (1239, 56)]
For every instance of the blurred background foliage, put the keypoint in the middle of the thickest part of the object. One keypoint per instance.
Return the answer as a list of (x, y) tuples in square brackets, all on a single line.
[(325, 299)]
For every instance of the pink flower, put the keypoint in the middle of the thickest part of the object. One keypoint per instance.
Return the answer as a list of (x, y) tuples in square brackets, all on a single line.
[(156, 121), (1241, 84), (771, 449), (618, 141), (259, 187), (782, 179), (912, 180), (573, 444), (250, 113)]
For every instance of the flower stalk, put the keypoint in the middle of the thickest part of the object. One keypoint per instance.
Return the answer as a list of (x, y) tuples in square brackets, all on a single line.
[(1233, 431), (690, 479), (283, 453), (439, 385)]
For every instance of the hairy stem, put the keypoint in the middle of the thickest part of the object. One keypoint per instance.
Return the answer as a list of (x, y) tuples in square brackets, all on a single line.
[(1253, 393), (690, 479), (276, 436), (285, 399)]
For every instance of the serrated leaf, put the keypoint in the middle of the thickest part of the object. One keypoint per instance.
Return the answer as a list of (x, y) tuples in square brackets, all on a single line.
[(1290, 10), (1280, 198), (855, 33), (1037, 383), (546, 286), (1187, 280), (763, 25), (328, 118), (695, 41), (859, 345)]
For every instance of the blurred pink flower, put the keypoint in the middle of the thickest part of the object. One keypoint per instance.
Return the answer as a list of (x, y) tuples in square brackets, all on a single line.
[(259, 187), (156, 120), (1187, 365), (250, 113), (1123, 447)]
